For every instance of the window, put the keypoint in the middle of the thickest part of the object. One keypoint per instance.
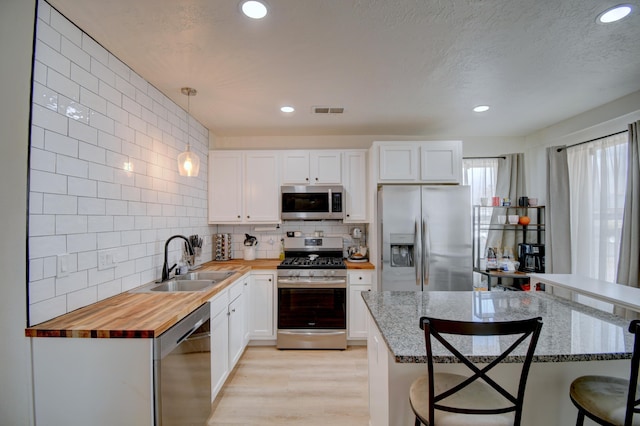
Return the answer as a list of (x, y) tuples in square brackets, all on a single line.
[(480, 174), (597, 181)]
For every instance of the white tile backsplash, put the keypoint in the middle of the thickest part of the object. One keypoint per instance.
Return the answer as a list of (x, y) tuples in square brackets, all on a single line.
[(91, 113), (65, 27), (48, 182), (60, 144), (75, 54), (53, 59), (60, 204), (71, 224)]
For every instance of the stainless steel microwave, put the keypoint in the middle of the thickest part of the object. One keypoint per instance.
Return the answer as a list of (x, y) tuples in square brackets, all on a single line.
[(312, 202)]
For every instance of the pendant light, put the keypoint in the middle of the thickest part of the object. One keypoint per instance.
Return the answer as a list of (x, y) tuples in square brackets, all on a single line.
[(188, 161)]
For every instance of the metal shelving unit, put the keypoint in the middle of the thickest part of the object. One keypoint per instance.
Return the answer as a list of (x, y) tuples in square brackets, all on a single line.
[(485, 220)]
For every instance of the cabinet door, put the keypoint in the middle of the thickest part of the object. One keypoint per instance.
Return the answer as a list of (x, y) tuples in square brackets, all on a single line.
[(441, 162), (357, 316), (219, 350), (295, 166), (262, 187), (398, 162), (326, 167), (355, 185), (225, 187), (262, 306), (236, 330)]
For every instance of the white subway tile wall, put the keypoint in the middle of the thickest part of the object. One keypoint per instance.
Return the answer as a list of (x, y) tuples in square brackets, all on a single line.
[(91, 114)]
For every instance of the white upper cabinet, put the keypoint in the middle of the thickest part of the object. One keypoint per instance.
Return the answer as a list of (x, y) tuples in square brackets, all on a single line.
[(441, 162), (261, 188), (316, 167), (244, 187), (354, 176), (226, 186), (420, 162), (398, 162)]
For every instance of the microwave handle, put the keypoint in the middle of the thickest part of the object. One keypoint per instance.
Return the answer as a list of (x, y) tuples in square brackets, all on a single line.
[(330, 201)]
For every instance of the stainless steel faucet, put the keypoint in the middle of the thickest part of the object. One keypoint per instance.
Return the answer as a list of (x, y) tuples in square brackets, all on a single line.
[(165, 267)]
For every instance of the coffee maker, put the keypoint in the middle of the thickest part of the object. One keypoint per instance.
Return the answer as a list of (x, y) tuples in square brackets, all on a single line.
[(531, 257)]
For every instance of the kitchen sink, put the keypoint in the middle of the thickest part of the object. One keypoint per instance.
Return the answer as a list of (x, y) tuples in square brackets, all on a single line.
[(184, 285), (205, 275)]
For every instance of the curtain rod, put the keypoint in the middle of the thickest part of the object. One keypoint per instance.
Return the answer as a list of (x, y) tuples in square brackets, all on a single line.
[(483, 158), (592, 140)]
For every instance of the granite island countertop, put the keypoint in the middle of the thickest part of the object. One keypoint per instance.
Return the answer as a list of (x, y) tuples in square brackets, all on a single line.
[(570, 331)]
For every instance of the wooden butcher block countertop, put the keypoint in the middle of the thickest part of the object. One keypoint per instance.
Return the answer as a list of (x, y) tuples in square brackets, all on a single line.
[(133, 315), (147, 315)]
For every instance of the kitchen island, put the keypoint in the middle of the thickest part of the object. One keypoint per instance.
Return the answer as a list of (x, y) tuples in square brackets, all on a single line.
[(575, 340)]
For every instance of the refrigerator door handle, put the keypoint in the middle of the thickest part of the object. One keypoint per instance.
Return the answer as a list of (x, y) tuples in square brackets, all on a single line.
[(418, 256), (427, 251)]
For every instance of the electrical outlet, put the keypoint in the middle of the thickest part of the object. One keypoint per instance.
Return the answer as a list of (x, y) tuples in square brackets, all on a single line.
[(107, 259), (206, 240), (62, 266)]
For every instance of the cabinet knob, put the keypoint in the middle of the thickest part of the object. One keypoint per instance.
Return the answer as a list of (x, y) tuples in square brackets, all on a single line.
[(348, 215), (360, 278), (238, 216), (248, 217), (269, 279), (245, 284), (316, 179), (307, 179), (233, 310)]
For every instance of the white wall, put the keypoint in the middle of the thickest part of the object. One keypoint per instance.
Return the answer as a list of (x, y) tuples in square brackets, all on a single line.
[(16, 38), (91, 115)]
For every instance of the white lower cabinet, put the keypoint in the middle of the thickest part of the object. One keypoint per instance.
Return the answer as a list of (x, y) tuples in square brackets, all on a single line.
[(227, 332), (359, 281), (219, 342), (262, 305), (236, 324)]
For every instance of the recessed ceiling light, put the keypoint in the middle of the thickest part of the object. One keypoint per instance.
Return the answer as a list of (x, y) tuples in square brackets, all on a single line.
[(287, 109), (481, 108), (614, 14), (254, 9)]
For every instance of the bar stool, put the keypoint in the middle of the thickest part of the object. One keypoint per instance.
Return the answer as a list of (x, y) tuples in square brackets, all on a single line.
[(445, 399), (608, 400)]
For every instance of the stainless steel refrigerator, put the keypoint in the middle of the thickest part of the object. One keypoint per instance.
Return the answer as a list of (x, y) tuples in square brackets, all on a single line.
[(425, 238)]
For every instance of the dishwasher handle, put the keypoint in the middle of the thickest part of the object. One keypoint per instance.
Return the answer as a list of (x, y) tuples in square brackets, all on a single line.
[(186, 335)]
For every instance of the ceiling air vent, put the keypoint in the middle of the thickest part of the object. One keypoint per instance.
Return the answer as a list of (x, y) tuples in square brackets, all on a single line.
[(328, 110)]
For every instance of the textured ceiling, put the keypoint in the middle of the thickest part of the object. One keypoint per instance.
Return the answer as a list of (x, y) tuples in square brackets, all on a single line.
[(398, 67)]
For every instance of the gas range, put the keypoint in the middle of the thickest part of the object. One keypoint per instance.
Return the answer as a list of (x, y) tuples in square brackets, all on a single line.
[(312, 294)]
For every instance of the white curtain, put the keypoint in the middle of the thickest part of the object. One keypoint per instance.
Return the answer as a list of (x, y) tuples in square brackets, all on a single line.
[(628, 265), (597, 176)]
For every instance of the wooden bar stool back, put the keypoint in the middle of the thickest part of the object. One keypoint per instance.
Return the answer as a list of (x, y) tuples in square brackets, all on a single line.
[(446, 399), (606, 400)]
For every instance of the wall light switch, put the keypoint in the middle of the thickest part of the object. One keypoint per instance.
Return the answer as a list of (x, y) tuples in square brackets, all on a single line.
[(63, 266)]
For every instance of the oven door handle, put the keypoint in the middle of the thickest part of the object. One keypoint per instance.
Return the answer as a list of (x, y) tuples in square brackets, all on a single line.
[(286, 283)]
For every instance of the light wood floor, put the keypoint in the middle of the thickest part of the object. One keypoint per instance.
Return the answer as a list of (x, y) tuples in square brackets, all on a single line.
[(291, 387)]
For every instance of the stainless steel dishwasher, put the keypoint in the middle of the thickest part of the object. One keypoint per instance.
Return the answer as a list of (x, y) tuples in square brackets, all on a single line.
[(182, 371)]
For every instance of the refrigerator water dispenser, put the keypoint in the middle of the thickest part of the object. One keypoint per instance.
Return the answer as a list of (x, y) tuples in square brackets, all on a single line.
[(402, 250)]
